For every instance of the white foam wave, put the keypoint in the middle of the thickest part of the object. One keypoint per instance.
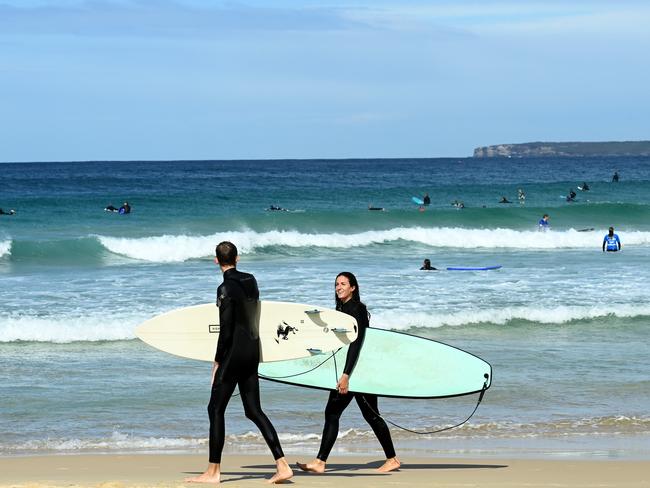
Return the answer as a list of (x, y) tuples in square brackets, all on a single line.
[(99, 328), (119, 441), (69, 329), (178, 248), (5, 248), (285, 437), (613, 425), (396, 319), (250, 441), (116, 442)]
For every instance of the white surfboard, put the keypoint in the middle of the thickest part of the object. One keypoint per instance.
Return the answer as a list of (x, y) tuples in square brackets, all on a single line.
[(287, 331)]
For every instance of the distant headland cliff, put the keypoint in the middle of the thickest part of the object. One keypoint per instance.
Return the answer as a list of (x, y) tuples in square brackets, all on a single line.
[(570, 149)]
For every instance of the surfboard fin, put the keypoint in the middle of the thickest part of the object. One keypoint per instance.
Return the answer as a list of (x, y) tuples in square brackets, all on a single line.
[(314, 351)]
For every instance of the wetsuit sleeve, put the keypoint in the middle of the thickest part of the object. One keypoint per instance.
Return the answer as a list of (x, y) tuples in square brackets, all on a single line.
[(361, 314), (226, 323)]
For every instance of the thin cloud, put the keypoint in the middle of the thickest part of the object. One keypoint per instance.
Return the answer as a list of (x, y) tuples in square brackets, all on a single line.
[(164, 19)]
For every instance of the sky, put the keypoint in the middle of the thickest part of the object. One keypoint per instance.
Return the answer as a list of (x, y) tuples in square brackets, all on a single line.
[(107, 80)]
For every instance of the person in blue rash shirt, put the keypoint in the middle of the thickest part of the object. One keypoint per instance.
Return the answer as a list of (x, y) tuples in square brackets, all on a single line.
[(611, 242), (348, 301), (543, 222)]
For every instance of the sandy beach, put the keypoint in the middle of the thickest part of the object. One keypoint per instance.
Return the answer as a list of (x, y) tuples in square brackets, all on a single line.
[(162, 470)]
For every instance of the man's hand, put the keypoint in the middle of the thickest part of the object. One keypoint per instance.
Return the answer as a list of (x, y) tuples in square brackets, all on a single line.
[(215, 366)]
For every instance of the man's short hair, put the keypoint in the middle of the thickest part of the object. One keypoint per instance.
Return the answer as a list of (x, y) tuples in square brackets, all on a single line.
[(226, 253)]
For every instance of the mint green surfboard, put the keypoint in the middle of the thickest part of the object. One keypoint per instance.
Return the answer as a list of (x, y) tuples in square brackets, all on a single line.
[(391, 364)]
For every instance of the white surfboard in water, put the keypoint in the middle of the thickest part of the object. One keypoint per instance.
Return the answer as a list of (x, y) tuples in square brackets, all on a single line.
[(286, 330)]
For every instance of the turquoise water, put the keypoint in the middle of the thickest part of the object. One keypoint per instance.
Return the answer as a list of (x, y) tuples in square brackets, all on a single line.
[(563, 324)]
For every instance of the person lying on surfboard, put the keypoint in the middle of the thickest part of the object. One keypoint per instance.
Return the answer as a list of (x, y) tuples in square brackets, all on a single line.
[(348, 300)]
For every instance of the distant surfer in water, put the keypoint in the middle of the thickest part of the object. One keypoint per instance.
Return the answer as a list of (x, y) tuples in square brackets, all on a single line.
[(349, 301), (124, 209), (611, 242), (615, 177), (276, 208), (521, 196), (584, 186), (426, 199), (504, 200), (571, 197), (236, 363), (543, 222), (426, 266), (10, 212)]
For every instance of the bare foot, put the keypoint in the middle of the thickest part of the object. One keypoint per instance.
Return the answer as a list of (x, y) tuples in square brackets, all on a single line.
[(282, 473), (204, 478), (391, 464), (316, 466), (211, 475)]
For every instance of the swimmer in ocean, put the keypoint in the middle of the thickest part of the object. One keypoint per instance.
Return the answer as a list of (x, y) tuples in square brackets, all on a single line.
[(611, 242), (426, 266)]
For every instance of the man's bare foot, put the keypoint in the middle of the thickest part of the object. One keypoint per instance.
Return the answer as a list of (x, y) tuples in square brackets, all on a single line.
[(316, 466), (283, 472), (211, 475), (391, 464)]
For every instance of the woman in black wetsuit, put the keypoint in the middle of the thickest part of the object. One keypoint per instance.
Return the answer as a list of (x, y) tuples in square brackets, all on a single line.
[(348, 301)]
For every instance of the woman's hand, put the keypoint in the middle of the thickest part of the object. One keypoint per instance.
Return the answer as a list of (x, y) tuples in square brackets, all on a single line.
[(343, 386)]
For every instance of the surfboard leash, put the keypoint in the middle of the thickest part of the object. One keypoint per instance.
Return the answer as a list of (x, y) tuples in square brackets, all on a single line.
[(302, 372), (478, 402), (266, 377)]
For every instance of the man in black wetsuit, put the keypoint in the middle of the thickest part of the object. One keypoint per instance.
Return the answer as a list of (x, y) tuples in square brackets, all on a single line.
[(235, 364)]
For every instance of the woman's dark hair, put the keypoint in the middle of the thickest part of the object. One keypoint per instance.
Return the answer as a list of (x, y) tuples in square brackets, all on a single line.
[(353, 282)]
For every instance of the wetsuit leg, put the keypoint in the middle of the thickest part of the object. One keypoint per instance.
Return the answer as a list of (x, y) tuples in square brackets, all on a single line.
[(336, 404), (370, 410), (249, 388), (221, 393)]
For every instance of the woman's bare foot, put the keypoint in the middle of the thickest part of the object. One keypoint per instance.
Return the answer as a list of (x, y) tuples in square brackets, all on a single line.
[(391, 464), (211, 475), (316, 466), (283, 472)]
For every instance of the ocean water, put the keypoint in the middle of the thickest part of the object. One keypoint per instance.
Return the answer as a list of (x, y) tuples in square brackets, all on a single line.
[(564, 325)]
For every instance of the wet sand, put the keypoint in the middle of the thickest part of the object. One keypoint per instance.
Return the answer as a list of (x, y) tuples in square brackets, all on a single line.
[(169, 470)]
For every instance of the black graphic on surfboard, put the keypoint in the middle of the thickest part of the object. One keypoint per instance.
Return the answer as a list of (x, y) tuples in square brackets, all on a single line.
[(284, 330)]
